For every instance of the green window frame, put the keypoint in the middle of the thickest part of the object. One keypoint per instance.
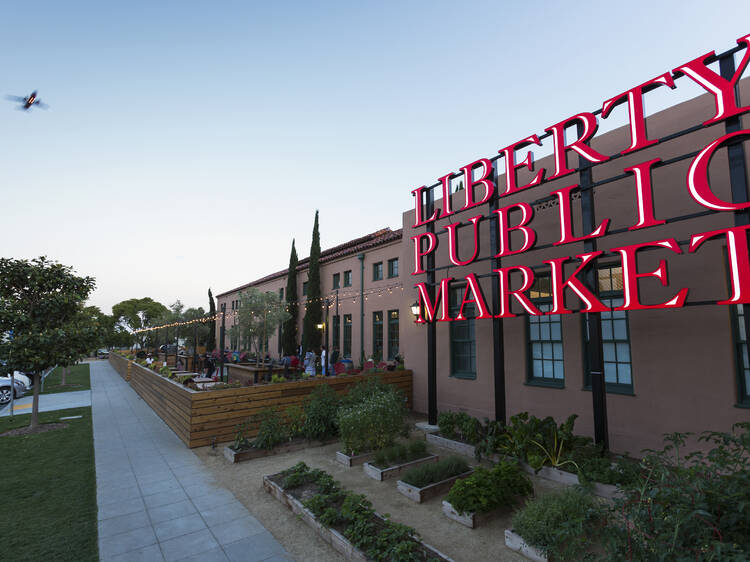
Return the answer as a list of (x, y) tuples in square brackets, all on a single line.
[(336, 280), (392, 268), (347, 336), (393, 329), (741, 355), (304, 288), (336, 331), (546, 360), (348, 278), (617, 358), (463, 349), (377, 335), (377, 271)]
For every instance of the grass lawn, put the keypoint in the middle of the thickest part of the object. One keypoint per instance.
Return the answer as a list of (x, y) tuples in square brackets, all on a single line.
[(76, 379), (48, 510)]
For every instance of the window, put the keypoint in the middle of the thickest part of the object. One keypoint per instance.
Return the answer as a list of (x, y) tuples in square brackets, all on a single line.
[(336, 280), (545, 338), (392, 268), (336, 331), (392, 334), (462, 341), (348, 278), (618, 376), (304, 289), (377, 271), (377, 335), (743, 362), (281, 294), (347, 335)]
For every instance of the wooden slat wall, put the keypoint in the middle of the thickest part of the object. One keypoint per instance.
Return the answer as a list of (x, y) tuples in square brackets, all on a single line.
[(200, 417)]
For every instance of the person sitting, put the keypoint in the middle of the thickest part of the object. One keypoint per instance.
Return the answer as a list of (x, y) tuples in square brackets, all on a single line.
[(149, 360)]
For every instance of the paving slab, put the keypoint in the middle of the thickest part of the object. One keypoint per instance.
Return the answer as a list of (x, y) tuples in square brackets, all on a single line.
[(50, 402), (157, 501)]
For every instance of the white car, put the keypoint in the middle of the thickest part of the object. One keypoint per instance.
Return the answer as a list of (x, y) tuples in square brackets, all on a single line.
[(20, 377)]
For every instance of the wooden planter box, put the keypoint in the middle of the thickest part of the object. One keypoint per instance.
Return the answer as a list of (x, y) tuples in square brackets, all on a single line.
[(420, 495), (471, 520), (381, 474), (457, 446), (350, 461), (608, 491), (340, 543), (515, 542), (249, 454)]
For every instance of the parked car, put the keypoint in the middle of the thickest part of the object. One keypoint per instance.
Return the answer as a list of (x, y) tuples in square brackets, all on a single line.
[(5, 390), (20, 377), (102, 354)]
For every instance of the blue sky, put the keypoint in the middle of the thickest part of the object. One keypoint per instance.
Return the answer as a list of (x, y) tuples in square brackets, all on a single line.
[(187, 143)]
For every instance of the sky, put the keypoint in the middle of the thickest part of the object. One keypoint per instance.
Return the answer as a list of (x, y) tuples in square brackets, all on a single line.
[(187, 143)]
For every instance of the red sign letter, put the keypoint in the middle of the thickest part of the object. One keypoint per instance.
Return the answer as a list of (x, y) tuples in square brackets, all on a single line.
[(418, 253), (446, 182), (722, 90), (579, 145), (472, 284), (511, 166), (453, 241), (739, 268), (489, 187), (431, 308), (697, 178), (630, 276), (592, 304), (643, 192), (504, 230), (418, 220), (634, 99), (566, 219), (505, 292)]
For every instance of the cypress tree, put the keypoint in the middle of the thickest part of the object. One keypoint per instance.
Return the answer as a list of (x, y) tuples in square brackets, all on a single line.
[(211, 344), (314, 305), (289, 330)]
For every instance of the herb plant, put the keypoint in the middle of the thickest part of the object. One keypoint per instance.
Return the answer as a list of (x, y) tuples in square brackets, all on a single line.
[(488, 489), (423, 475)]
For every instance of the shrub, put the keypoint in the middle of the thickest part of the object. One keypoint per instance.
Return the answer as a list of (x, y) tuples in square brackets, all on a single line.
[(460, 426), (295, 420), (423, 475), (560, 523), (487, 489), (241, 441), (364, 390), (694, 506), (320, 413), (275, 378), (373, 423), (164, 370), (271, 430)]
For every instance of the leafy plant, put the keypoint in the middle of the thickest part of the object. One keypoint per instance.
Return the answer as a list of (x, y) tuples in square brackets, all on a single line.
[(487, 489), (320, 413), (560, 524), (241, 441), (276, 378), (372, 423), (271, 430), (423, 475), (400, 453), (295, 420), (491, 439), (460, 426), (694, 506)]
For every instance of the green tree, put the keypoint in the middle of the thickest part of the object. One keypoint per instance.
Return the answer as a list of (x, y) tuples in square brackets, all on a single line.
[(259, 315), (41, 309), (189, 331), (314, 305), (289, 330), (135, 314), (211, 345)]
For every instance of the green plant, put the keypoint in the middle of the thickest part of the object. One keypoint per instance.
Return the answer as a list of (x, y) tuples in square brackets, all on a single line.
[(688, 506), (423, 475), (295, 420), (275, 378), (373, 423), (165, 371), (560, 524), (320, 413), (491, 439), (241, 441), (364, 390), (460, 426), (400, 453), (487, 489), (271, 430), (555, 452)]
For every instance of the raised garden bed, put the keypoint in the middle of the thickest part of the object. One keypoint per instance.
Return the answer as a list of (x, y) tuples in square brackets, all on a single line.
[(420, 495), (249, 454), (608, 491), (456, 446), (381, 474), (471, 520), (516, 542), (353, 460), (337, 540)]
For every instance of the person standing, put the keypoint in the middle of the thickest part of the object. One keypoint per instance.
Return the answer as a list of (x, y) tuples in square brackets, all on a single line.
[(323, 363)]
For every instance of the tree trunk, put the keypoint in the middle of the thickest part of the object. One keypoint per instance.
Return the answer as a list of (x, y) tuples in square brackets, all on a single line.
[(35, 403)]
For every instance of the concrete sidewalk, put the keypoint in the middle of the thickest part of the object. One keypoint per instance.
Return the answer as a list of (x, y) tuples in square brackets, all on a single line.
[(49, 402), (156, 500)]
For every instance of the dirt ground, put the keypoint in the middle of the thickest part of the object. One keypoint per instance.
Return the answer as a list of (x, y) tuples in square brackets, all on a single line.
[(459, 542)]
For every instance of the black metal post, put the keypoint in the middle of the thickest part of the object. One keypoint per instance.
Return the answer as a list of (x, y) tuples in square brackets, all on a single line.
[(166, 346), (594, 346), (737, 172), (195, 347), (432, 411), (362, 308), (325, 338), (222, 330), (176, 345), (498, 335)]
